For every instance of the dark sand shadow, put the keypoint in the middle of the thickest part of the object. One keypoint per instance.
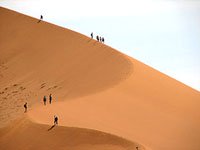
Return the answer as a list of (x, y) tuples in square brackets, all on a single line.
[(89, 40), (51, 127), (96, 42)]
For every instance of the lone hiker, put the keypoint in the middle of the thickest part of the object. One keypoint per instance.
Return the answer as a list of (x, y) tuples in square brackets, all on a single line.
[(50, 99), (55, 120), (25, 107), (41, 18), (92, 35), (44, 100)]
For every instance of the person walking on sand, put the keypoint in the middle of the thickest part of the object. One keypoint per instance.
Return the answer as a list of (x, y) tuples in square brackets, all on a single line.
[(25, 107), (92, 35), (50, 99), (137, 147), (41, 17), (102, 39), (55, 120), (44, 100), (97, 38)]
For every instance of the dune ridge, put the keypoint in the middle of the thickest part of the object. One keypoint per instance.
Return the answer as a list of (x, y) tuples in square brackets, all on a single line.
[(40, 58), (28, 135), (96, 90)]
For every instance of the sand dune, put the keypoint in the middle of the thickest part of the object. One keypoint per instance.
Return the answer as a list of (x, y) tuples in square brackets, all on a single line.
[(164, 115), (98, 92), (41, 58), (23, 134)]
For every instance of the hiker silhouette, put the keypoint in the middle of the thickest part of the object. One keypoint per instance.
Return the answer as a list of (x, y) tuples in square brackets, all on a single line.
[(97, 37), (50, 99), (92, 35), (25, 107), (102, 39), (41, 18), (55, 120), (44, 100)]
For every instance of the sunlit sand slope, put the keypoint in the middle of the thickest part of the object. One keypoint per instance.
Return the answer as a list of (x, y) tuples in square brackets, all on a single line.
[(37, 59), (148, 107), (93, 86)]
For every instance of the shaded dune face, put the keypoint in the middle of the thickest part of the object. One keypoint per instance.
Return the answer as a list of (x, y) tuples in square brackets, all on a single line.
[(41, 58), (28, 135)]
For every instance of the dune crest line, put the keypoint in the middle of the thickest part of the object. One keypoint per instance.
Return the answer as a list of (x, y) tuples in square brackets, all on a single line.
[(41, 58)]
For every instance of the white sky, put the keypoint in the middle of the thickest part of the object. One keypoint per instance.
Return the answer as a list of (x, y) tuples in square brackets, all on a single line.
[(164, 34)]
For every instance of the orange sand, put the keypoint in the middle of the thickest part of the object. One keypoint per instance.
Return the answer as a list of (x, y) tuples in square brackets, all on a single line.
[(103, 98)]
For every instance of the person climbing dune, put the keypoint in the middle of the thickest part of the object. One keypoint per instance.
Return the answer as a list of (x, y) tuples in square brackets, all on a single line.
[(97, 37), (55, 120), (50, 99), (25, 107), (41, 18), (92, 35), (44, 100)]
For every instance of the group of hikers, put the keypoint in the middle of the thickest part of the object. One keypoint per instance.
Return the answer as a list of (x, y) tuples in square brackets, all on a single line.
[(98, 38), (44, 100)]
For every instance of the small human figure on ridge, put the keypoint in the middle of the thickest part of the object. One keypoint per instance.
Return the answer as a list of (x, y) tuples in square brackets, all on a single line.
[(41, 18), (92, 35), (25, 107), (102, 39), (97, 37)]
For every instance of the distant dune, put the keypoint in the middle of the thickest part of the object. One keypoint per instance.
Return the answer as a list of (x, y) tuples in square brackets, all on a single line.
[(103, 98)]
